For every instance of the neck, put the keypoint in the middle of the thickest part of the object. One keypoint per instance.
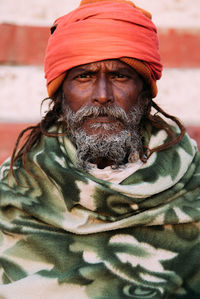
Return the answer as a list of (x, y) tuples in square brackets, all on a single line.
[(103, 162)]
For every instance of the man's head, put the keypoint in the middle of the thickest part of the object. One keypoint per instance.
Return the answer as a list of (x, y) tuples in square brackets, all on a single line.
[(103, 103), (104, 54), (101, 30)]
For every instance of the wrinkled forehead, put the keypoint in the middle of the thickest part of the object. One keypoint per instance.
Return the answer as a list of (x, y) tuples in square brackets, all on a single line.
[(110, 65)]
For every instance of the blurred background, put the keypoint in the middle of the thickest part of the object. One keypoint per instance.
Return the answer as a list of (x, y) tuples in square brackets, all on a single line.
[(24, 31)]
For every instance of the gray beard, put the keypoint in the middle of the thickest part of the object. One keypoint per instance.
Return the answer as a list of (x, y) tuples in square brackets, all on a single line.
[(119, 148)]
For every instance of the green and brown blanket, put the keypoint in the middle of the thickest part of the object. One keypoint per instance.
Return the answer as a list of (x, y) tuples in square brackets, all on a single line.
[(67, 234)]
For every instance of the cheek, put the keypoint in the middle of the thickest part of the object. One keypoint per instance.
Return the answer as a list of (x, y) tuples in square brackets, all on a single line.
[(126, 98), (76, 98)]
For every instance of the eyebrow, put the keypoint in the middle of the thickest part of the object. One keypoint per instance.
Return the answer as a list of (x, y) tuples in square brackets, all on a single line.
[(95, 69)]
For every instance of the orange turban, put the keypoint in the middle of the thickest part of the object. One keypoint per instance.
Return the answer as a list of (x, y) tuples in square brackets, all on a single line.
[(101, 30)]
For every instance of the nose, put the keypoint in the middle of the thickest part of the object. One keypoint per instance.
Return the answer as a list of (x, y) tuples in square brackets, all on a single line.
[(102, 94)]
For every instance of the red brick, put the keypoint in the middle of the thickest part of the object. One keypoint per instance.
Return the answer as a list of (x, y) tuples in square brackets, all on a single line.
[(8, 136), (194, 132), (180, 48), (22, 44)]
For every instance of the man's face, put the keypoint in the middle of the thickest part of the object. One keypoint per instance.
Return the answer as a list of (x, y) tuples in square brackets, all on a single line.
[(102, 111), (102, 84)]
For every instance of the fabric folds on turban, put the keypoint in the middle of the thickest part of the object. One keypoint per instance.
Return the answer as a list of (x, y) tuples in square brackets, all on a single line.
[(99, 31)]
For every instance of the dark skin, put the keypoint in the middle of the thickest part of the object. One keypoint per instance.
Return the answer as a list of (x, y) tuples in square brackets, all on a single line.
[(103, 83)]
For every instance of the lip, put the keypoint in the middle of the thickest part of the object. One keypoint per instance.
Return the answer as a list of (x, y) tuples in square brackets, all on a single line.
[(102, 119)]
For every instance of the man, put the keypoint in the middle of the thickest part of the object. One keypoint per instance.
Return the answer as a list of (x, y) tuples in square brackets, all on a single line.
[(102, 199)]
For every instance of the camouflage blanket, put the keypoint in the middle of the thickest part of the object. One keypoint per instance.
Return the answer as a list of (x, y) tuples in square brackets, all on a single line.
[(67, 234)]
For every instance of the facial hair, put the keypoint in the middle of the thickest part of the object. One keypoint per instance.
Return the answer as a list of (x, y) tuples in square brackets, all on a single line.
[(119, 148)]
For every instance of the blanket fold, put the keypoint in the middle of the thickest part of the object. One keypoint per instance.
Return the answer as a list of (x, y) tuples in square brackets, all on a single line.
[(67, 234)]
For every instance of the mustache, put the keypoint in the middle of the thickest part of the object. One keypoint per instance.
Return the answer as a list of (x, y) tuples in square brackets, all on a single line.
[(116, 112)]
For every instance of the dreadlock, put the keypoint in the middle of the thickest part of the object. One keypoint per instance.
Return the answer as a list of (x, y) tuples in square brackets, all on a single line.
[(54, 117)]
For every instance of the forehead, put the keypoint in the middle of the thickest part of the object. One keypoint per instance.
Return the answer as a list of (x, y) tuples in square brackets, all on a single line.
[(106, 65)]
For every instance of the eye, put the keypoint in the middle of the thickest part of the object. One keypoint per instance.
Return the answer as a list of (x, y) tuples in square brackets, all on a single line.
[(119, 76), (83, 77)]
